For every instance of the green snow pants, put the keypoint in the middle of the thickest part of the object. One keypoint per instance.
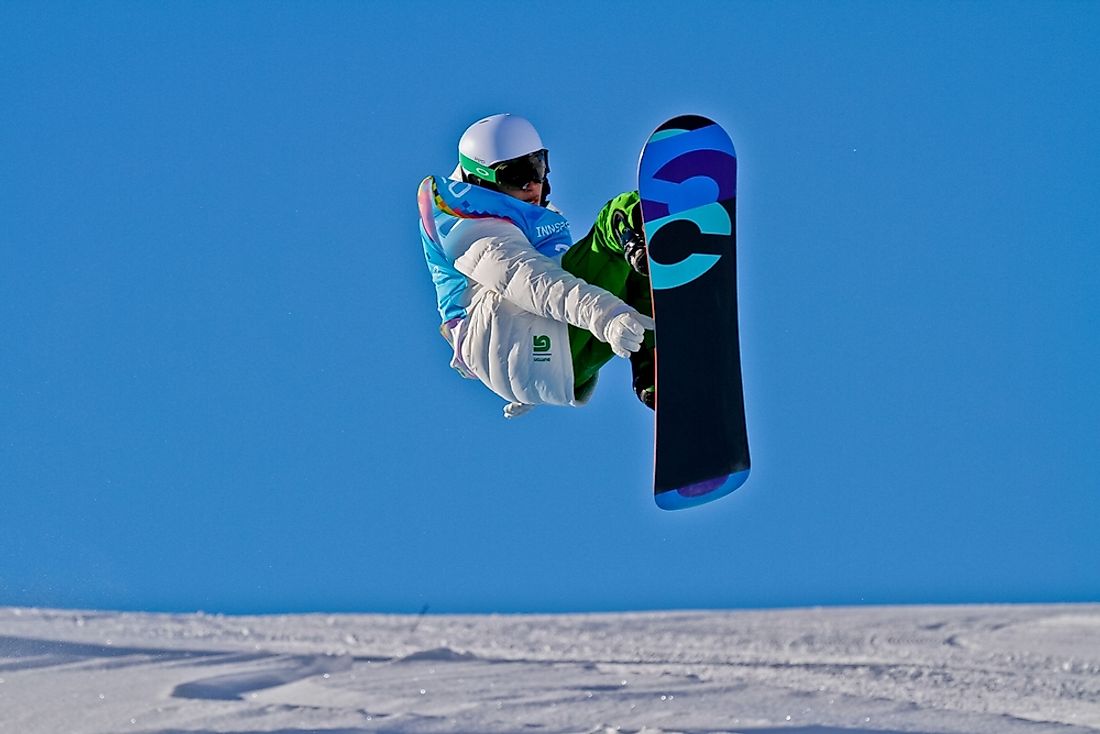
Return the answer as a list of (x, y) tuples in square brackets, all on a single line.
[(598, 259)]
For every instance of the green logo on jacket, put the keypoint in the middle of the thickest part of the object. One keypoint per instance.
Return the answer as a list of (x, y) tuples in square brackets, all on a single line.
[(540, 345)]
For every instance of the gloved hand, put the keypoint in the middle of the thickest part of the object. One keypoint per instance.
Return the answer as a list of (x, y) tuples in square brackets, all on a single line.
[(515, 410), (635, 253), (631, 238), (626, 331)]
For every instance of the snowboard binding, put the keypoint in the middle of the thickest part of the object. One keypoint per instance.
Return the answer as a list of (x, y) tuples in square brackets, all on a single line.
[(631, 238), (643, 377)]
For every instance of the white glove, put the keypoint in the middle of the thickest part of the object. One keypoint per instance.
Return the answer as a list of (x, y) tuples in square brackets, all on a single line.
[(626, 331), (515, 410)]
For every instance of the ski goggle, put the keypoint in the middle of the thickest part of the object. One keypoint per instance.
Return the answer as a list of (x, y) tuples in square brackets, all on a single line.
[(515, 173)]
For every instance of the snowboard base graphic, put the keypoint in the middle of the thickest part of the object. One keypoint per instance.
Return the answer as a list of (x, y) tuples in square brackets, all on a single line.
[(687, 179)]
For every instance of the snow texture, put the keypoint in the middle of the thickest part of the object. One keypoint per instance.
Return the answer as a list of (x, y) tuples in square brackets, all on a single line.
[(972, 670)]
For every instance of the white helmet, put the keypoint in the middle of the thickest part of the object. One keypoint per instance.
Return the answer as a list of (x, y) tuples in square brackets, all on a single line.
[(495, 139), (504, 151)]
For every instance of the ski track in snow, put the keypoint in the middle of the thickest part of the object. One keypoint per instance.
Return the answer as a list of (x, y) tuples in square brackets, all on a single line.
[(931, 670)]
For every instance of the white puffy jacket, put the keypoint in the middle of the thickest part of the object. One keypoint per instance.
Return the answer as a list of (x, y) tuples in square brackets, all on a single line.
[(515, 337)]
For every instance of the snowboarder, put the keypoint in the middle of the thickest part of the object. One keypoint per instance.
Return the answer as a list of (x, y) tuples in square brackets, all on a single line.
[(514, 292)]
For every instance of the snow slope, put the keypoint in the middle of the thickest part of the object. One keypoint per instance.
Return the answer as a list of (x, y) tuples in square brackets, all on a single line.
[(1002, 669)]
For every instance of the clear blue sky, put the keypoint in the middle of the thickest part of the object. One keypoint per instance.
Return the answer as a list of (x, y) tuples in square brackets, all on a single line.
[(221, 385)]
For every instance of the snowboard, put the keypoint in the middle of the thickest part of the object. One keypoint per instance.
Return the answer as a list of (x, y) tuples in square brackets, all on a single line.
[(687, 179)]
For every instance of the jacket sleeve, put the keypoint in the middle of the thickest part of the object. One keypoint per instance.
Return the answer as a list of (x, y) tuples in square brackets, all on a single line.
[(495, 254)]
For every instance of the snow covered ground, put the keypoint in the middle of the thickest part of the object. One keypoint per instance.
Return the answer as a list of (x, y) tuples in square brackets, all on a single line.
[(1002, 669)]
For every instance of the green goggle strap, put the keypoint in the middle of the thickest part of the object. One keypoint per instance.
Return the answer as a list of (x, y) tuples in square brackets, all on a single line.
[(483, 172)]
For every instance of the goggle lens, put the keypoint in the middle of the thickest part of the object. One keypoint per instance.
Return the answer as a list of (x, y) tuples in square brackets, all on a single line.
[(518, 172)]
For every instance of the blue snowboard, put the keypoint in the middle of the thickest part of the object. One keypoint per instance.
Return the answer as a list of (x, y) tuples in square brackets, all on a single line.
[(687, 179)]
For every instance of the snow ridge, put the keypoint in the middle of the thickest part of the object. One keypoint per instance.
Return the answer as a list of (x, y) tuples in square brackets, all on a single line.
[(934, 670)]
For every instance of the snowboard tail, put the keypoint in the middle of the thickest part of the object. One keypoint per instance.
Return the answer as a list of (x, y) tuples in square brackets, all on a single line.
[(687, 179)]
